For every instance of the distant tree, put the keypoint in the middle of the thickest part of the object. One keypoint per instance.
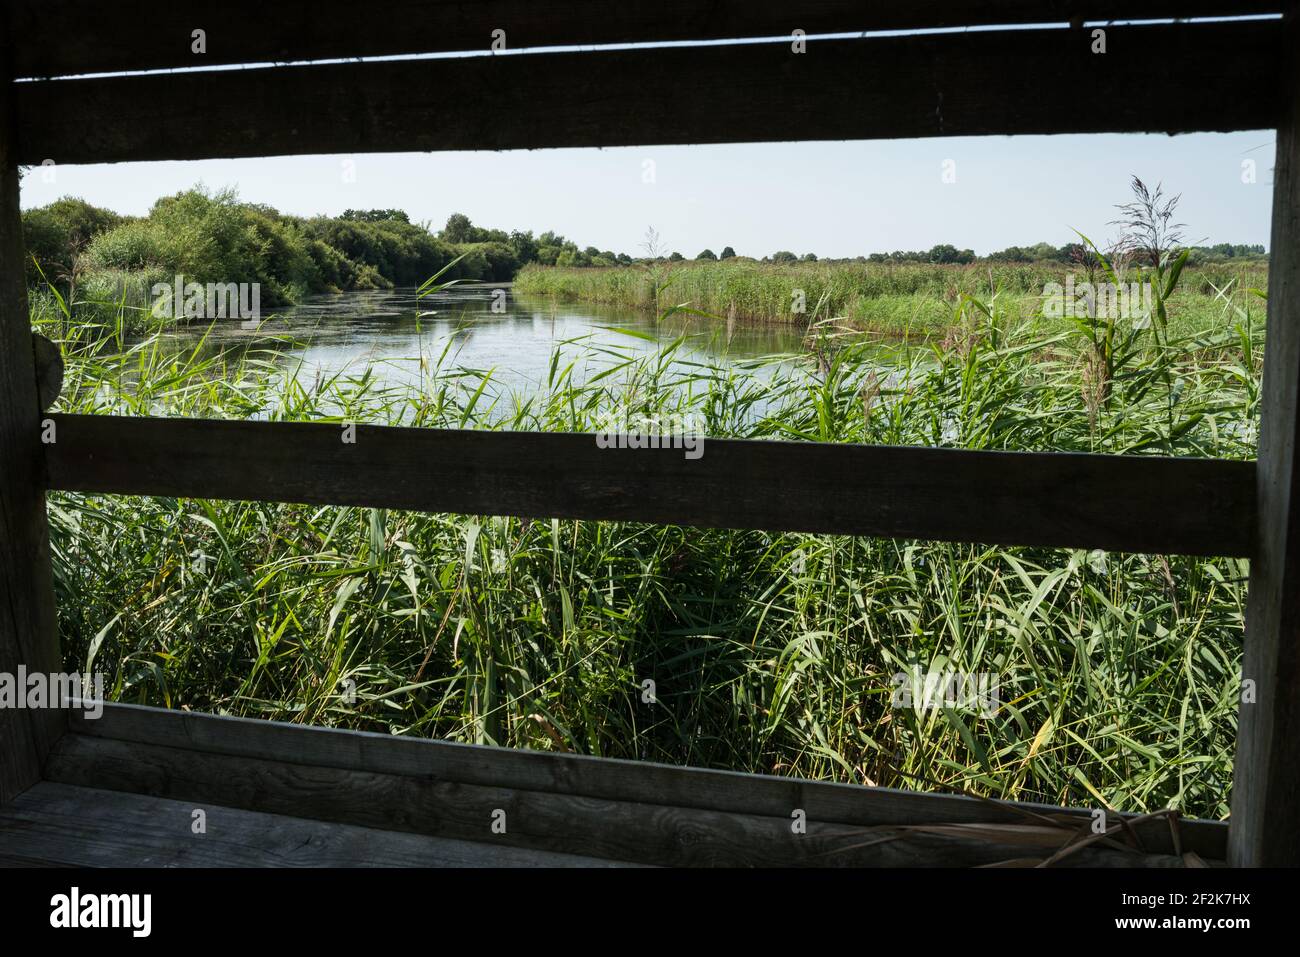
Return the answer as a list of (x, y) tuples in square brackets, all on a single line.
[(458, 229), (501, 261), (945, 253), (727, 253), (1222, 251), (707, 254), (676, 258), (524, 245), (1071, 253), (784, 256), (810, 257)]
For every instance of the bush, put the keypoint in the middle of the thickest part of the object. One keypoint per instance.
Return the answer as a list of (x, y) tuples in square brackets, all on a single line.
[(56, 235), (211, 237), (134, 245), (502, 263)]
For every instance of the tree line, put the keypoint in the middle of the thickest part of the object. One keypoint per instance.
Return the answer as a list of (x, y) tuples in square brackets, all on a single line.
[(216, 237)]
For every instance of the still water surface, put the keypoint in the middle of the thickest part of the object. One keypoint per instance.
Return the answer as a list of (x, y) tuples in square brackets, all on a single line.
[(473, 328)]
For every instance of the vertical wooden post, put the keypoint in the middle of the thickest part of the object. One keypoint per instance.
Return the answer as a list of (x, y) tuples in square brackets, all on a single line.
[(27, 626), (1265, 823)]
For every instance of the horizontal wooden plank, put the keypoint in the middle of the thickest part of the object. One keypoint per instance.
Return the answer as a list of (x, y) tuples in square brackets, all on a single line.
[(599, 778), (895, 87), (62, 825), (61, 37), (1117, 503), (638, 831)]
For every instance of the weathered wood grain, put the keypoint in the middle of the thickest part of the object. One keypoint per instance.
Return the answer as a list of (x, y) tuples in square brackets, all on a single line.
[(636, 831), (27, 629), (891, 87), (49, 371), (59, 37), (1266, 776), (1121, 503), (603, 778), (60, 825)]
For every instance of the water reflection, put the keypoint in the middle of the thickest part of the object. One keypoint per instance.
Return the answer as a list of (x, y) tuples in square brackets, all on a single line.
[(477, 328)]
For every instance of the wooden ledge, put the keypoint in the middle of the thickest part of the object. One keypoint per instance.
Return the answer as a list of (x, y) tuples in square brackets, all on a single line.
[(596, 809)]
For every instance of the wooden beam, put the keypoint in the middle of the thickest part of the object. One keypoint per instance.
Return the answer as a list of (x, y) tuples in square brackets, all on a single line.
[(27, 624), (604, 779), (61, 825), (60, 37), (1118, 503), (640, 830), (1266, 777), (897, 87)]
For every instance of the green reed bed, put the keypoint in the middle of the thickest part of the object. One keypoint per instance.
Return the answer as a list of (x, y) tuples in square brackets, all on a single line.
[(1118, 674), (897, 300)]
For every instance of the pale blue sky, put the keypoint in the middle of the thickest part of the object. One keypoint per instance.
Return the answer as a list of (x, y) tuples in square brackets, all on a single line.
[(834, 199)]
